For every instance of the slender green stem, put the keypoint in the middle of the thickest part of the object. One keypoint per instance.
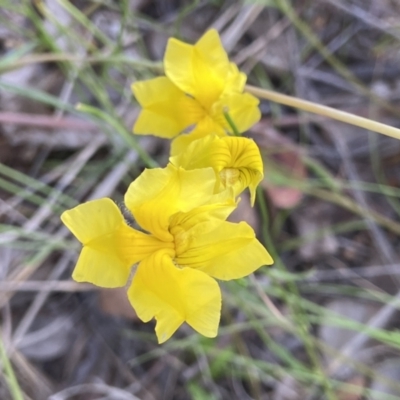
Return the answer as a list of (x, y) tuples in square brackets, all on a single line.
[(231, 124), (325, 111)]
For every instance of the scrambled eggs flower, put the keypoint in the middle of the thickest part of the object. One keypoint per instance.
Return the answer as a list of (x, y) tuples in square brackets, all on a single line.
[(199, 87), (184, 245)]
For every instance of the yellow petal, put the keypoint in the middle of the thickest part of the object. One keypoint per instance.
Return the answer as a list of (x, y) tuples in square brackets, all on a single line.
[(159, 193), (209, 151), (167, 110), (108, 260), (236, 161), (244, 153), (242, 108), (246, 158), (172, 296), (93, 219), (200, 70), (206, 126), (219, 207), (227, 250), (106, 257), (101, 268), (111, 247), (235, 80)]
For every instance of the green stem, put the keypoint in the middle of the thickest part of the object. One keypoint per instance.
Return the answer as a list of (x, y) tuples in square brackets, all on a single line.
[(231, 123)]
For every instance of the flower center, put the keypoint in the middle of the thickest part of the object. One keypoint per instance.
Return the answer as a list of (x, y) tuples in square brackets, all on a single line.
[(181, 239), (229, 177)]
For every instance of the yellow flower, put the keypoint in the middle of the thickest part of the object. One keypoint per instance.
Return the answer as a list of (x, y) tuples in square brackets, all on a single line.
[(200, 85), (236, 161), (186, 244)]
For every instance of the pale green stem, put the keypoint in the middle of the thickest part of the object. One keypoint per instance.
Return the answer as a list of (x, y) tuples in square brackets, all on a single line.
[(231, 123), (325, 111)]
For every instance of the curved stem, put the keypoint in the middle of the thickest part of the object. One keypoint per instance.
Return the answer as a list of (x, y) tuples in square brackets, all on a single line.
[(325, 111)]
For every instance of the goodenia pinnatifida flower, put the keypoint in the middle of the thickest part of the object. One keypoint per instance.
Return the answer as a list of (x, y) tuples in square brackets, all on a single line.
[(236, 161), (185, 244), (200, 86)]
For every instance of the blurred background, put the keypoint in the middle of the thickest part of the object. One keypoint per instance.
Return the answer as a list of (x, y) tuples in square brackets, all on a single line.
[(323, 322)]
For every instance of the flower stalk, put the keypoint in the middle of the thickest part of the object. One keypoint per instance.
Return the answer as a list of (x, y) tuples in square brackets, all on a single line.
[(329, 112), (231, 123)]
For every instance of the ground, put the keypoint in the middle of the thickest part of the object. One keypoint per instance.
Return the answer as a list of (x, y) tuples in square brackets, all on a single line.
[(322, 322)]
